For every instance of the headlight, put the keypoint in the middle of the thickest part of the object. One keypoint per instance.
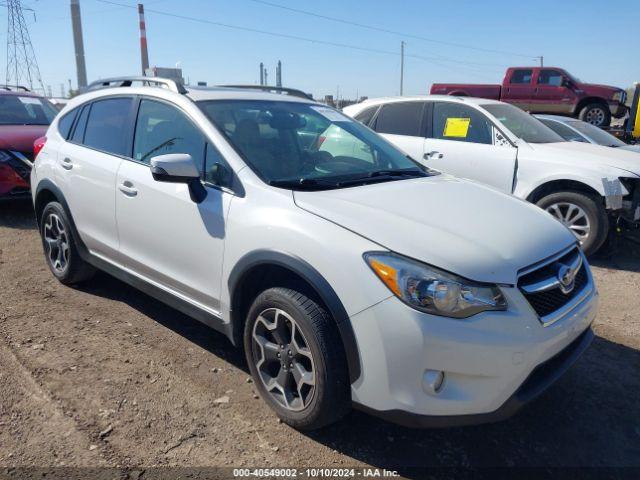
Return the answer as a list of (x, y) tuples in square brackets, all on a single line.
[(431, 290), (619, 96)]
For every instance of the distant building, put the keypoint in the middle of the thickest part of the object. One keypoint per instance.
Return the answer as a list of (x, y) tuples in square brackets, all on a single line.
[(171, 73)]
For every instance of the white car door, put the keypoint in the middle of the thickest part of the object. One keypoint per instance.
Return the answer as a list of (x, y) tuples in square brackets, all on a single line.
[(88, 164), (465, 143), (402, 123), (165, 236)]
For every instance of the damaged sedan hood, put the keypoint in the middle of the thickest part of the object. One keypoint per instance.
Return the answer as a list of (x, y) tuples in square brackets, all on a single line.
[(465, 228)]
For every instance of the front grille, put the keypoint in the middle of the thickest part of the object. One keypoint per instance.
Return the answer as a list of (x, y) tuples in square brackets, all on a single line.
[(552, 299)]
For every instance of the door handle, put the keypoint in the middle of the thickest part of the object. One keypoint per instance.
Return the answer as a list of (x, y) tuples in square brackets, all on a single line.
[(432, 155), (66, 163), (128, 189)]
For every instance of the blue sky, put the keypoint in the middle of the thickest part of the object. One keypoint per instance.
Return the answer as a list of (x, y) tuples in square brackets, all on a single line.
[(594, 40)]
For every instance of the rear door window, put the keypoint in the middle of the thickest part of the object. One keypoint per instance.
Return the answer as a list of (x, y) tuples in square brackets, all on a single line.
[(108, 125), (522, 76), (403, 118)]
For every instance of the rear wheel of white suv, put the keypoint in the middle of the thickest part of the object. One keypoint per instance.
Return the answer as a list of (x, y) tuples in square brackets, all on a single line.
[(60, 248), (296, 359), (581, 213)]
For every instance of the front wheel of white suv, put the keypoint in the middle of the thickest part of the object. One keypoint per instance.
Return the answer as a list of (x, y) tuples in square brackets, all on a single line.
[(296, 359), (581, 213)]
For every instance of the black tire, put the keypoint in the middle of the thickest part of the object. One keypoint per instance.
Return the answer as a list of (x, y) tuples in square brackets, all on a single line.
[(75, 269), (597, 114), (331, 396), (594, 210)]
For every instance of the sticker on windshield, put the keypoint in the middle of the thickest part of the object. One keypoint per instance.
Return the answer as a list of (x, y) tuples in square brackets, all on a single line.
[(456, 127), (331, 114), (29, 100)]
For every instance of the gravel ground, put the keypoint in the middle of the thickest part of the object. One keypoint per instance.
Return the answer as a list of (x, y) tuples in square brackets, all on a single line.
[(103, 375)]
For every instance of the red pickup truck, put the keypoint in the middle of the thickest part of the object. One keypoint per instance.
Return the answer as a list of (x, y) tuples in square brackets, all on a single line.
[(548, 90)]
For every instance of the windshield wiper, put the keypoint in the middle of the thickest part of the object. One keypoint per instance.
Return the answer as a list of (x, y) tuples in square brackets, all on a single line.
[(304, 184), (382, 176)]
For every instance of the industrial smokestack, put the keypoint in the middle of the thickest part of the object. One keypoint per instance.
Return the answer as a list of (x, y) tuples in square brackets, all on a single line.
[(261, 73), (78, 43), (279, 74), (144, 53)]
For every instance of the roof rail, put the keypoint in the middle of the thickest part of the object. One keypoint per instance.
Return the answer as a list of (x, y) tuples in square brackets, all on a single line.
[(173, 85), (287, 91), (13, 88)]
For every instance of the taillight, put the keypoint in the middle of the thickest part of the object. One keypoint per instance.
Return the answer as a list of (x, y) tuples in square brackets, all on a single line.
[(38, 145)]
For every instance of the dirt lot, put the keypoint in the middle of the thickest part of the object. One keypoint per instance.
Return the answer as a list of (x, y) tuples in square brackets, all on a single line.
[(104, 375)]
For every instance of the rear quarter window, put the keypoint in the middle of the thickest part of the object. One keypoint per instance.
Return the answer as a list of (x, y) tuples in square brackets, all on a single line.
[(66, 122)]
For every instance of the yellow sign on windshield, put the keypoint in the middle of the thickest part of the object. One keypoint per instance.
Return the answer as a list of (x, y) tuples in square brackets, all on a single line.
[(456, 127)]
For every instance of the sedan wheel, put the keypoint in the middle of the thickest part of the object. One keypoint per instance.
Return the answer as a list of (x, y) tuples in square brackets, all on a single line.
[(573, 217), (283, 359)]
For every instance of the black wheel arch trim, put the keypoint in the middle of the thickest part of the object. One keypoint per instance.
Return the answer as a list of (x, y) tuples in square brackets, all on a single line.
[(327, 294)]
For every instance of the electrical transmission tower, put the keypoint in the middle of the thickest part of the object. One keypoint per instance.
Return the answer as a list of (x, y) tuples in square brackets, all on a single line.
[(22, 67)]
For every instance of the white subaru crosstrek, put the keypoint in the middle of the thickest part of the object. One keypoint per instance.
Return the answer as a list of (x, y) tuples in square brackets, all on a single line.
[(350, 274)]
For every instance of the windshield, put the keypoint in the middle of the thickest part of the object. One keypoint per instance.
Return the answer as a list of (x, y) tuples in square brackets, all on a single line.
[(521, 124), (596, 134), (25, 110), (301, 145)]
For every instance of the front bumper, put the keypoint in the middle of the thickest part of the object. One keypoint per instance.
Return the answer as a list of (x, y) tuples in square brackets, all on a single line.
[(540, 379), (618, 110), (494, 362)]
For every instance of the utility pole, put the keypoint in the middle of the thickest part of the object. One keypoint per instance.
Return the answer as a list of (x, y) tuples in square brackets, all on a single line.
[(266, 76), (279, 74), (401, 67), (541, 58), (261, 73), (22, 67), (78, 43), (144, 53)]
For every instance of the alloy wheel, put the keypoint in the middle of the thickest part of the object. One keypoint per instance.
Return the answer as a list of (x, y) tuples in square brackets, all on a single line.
[(595, 116), (573, 217), (56, 242), (283, 359)]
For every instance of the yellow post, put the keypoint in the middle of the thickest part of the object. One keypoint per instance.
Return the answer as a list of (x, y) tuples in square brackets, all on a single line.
[(636, 127)]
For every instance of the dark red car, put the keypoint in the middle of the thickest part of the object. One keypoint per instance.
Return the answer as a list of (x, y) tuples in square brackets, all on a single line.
[(548, 90), (24, 117)]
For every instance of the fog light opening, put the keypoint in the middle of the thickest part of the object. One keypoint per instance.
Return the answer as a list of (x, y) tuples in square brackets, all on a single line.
[(432, 381)]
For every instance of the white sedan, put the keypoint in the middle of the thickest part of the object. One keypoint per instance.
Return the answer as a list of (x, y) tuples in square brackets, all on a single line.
[(589, 188)]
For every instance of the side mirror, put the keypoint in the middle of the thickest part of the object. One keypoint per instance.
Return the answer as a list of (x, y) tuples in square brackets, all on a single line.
[(179, 168), (174, 168), (566, 82)]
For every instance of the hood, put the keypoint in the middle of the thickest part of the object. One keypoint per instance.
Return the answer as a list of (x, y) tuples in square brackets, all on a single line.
[(590, 155), (456, 225), (631, 148), (605, 91), (20, 137)]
